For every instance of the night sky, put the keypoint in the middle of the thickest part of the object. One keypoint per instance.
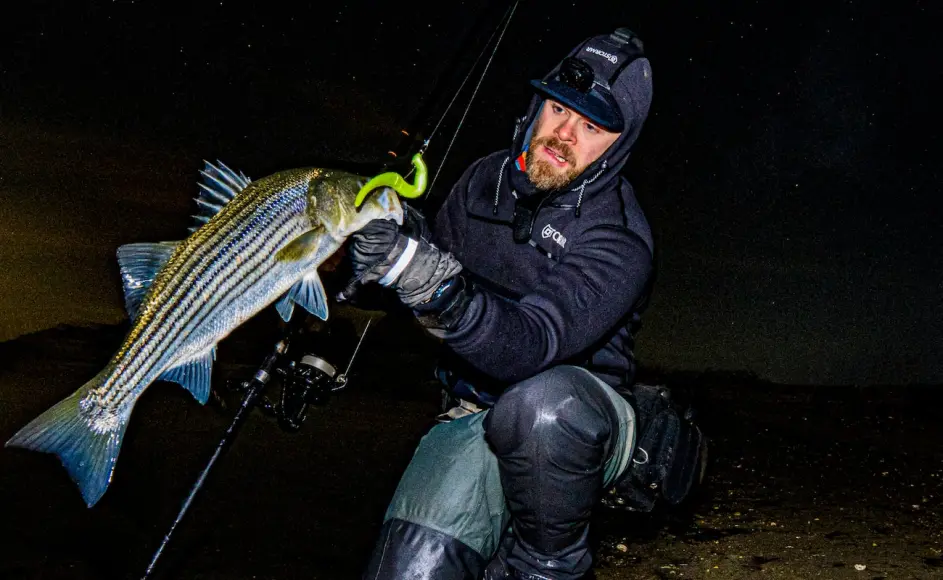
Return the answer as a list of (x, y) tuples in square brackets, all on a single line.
[(789, 168)]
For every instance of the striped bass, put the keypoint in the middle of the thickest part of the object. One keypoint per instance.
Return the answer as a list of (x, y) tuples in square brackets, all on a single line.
[(255, 242)]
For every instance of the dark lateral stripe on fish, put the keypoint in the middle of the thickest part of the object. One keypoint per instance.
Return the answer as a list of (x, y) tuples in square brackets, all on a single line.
[(287, 208), (232, 287), (154, 361), (215, 231), (192, 267), (220, 268), (139, 360), (231, 217), (223, 267), (253, 248)]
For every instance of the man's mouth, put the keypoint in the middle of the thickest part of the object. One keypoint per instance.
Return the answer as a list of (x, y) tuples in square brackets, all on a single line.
[(554, 157)]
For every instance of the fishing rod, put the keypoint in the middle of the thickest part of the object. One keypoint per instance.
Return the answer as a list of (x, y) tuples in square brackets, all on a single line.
[(395, 180), (307, 381), (419, 139), (311, 379), (508, 15)]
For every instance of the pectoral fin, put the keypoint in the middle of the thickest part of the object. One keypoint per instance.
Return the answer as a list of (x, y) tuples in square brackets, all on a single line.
[(285, 307), (309, 294), (194, 375), (302, 247)]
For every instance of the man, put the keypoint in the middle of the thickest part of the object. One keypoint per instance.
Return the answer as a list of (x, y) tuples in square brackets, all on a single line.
[(535, 275)]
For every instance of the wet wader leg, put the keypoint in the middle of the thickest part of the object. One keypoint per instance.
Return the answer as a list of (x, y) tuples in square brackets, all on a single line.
[(560, 437), (447, 515)]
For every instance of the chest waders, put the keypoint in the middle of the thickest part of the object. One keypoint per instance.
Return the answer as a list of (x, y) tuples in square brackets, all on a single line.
[(563, 435)]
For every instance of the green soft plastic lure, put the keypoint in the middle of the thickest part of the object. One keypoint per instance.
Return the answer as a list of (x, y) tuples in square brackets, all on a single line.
[(396, 181)]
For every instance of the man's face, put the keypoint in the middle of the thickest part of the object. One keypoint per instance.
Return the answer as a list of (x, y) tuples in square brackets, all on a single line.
[(562, 145)]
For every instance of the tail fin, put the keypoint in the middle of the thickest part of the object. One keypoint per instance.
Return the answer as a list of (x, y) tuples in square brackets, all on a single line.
[(87, 451)]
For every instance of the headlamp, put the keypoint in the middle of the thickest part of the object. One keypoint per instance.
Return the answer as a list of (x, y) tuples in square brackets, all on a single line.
[(577, 74)]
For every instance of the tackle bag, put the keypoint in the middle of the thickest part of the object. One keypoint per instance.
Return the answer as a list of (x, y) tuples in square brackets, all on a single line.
[(670, 454)]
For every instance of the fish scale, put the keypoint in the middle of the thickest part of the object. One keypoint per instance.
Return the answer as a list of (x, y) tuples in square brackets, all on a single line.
[(206, 238), (217, 228), (213, 268), (221, 268), (263, 245)]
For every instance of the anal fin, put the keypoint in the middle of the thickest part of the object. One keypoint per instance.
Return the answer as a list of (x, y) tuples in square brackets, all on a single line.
[(194, 375)]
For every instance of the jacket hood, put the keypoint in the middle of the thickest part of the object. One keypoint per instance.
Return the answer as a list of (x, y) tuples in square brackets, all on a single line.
[(621, 69)]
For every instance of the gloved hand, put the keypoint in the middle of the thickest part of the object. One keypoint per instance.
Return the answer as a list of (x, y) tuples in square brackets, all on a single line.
[(372, 251), (381, 252)]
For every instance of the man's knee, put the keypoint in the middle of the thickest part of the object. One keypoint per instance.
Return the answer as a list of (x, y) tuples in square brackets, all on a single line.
[(562, 404)]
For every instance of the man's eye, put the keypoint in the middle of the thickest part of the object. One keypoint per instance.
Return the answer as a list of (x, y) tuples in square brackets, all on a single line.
[(592, 128), (557, 109)]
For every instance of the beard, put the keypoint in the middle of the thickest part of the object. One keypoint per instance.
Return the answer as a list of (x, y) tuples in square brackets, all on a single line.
[(542, 173)]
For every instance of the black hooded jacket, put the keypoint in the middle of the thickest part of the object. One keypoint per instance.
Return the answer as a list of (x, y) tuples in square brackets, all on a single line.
[(573, 292)]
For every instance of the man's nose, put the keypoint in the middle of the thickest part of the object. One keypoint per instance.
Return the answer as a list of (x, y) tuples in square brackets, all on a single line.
[(566, 130)]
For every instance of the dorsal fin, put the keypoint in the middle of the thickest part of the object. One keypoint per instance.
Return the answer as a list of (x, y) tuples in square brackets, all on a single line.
[(219, 186), (139, 265)]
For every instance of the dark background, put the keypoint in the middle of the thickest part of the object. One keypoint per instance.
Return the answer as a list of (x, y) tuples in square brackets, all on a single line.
[(789, 166), (789, 169)]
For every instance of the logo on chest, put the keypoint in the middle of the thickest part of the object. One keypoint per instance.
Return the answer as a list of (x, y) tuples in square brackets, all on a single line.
[(551, 233)]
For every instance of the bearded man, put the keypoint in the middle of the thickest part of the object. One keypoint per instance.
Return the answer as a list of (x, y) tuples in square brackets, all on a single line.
[(534, 277)]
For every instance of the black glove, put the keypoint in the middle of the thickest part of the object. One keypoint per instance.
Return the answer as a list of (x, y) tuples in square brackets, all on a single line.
[(371, 251), (381, 252)]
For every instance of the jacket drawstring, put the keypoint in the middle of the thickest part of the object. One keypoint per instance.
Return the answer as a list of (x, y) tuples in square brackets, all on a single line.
[(497, 190), (579, 201), (582, 188)]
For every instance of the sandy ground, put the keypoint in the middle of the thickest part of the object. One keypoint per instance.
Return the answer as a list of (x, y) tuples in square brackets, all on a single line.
[(803, 483)]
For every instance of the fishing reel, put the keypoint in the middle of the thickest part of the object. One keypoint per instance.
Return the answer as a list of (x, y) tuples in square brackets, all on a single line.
[(305, 379), (308, 381)]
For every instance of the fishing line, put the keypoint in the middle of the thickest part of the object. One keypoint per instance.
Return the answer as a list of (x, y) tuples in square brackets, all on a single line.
[(506, 19), (471, 70), (508, 15)]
